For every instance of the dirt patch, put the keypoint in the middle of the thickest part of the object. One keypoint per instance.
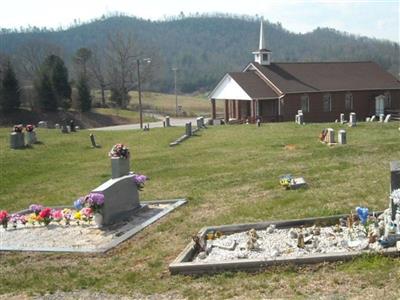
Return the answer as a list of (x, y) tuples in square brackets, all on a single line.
[(290, 147)]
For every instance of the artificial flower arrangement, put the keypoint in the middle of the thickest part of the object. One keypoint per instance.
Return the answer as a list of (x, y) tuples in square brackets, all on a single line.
[(4, 217), (85, 209), (139, 180), (94, 201), (119, 150), (29, 128), (18, 128)]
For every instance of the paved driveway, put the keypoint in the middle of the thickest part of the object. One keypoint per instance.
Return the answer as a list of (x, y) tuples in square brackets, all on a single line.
[(173, 121)]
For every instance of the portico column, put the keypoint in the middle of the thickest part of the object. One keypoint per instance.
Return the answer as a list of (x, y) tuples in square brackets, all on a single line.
[(226, 111), (213, 109), (234, 109), (239, 112)]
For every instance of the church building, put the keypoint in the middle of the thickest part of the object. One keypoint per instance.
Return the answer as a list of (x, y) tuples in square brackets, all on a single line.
[(322, 90)]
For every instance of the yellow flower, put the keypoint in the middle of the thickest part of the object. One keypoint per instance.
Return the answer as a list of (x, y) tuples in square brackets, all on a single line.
[(31, 218), (78, 215)]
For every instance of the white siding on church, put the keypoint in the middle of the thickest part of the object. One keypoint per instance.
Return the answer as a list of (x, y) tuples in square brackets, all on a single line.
[(228, 89)]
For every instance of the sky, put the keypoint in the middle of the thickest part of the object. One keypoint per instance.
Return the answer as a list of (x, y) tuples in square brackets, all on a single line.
[(372, 18)]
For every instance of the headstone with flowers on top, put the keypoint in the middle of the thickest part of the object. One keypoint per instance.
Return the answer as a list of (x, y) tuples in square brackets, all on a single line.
[(17, 140), (121, 192), (30, 135)]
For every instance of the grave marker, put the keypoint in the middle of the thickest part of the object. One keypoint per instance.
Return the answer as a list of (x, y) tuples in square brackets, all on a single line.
[(352, 119), (342, 137), (394, 184), (330, 136), (93, 141), (17, 140), (167, 121), (342, 120), (388, 117), (188, 129), (381, 118), (372, 118), (121, 198)]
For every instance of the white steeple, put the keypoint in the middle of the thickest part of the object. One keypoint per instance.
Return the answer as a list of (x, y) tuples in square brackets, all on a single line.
[(262, 44), (263, 55)]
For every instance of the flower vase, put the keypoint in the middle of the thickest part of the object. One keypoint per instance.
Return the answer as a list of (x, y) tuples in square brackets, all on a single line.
[(119, 167), (98, 220)]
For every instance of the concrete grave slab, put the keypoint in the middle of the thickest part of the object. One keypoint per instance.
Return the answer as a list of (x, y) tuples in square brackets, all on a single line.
[(85, 238)]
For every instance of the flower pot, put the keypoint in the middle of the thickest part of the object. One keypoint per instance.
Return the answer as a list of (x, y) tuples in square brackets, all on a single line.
[(98, 220), (119, 167)]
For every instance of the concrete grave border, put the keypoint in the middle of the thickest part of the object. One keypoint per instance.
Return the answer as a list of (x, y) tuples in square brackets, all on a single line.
[(115, 242), (183, 264)]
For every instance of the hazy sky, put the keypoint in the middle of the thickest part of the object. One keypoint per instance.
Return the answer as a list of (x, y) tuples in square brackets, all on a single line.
[(378, 18)]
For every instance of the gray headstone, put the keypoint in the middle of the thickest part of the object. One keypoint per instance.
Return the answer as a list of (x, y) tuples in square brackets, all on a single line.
[(167, 121), (381, 118), (367, 119), (388, 117), (121, 199), (342, 120), (394, 183), (218, 122), (31, 138), (17, 140), (188, 129), (373, 118), (119, 167), (352, 119), (330, 136), (64, 129), (199, 122), (93, 141), (342, 137), (57, 126)]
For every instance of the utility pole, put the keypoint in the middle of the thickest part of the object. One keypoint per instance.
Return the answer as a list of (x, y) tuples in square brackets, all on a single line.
[(140, 94), (148, 60), (176, 94)]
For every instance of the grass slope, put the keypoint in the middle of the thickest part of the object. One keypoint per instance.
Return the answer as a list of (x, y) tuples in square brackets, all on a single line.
[(230, 175)]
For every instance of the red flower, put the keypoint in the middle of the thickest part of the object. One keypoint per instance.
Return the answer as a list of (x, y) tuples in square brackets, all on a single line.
[(3, 215), (45, 213)]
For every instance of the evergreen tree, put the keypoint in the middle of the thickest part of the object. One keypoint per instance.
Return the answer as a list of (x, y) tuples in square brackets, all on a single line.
[(84, 98), (9, 90), (52, 87), (45, 93)]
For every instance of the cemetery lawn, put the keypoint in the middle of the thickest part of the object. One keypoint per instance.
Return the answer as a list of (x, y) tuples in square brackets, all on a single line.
[(229, 174)]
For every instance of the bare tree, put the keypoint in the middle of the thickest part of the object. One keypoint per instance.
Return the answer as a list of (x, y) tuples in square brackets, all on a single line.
[(31, 55), (97, 71), (122, 54)]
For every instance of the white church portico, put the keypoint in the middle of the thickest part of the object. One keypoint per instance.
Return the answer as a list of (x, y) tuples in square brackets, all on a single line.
[(246, 94)]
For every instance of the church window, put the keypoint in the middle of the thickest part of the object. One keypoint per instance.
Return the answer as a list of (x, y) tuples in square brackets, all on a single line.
[(327, 102)]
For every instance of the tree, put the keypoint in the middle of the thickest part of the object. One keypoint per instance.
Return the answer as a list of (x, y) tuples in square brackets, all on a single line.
[(53, 85), (45, 93), (10, 92), (81, 58), (97, 72), (122, 55), (84, 98)]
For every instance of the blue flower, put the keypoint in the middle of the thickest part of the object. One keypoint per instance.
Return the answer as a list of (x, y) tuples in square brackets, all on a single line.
[(362, 213), (78, 204)]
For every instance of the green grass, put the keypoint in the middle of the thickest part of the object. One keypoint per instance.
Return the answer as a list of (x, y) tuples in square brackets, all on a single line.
[(230, 175)]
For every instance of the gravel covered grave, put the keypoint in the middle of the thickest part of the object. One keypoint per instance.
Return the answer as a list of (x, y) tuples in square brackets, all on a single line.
[(82, 237), (272, 243)]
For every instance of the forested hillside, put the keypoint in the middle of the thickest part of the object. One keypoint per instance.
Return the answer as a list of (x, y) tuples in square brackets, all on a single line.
[(203, 48)]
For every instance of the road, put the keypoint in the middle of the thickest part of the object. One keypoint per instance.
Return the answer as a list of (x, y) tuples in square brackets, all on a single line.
[(173, 122)]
